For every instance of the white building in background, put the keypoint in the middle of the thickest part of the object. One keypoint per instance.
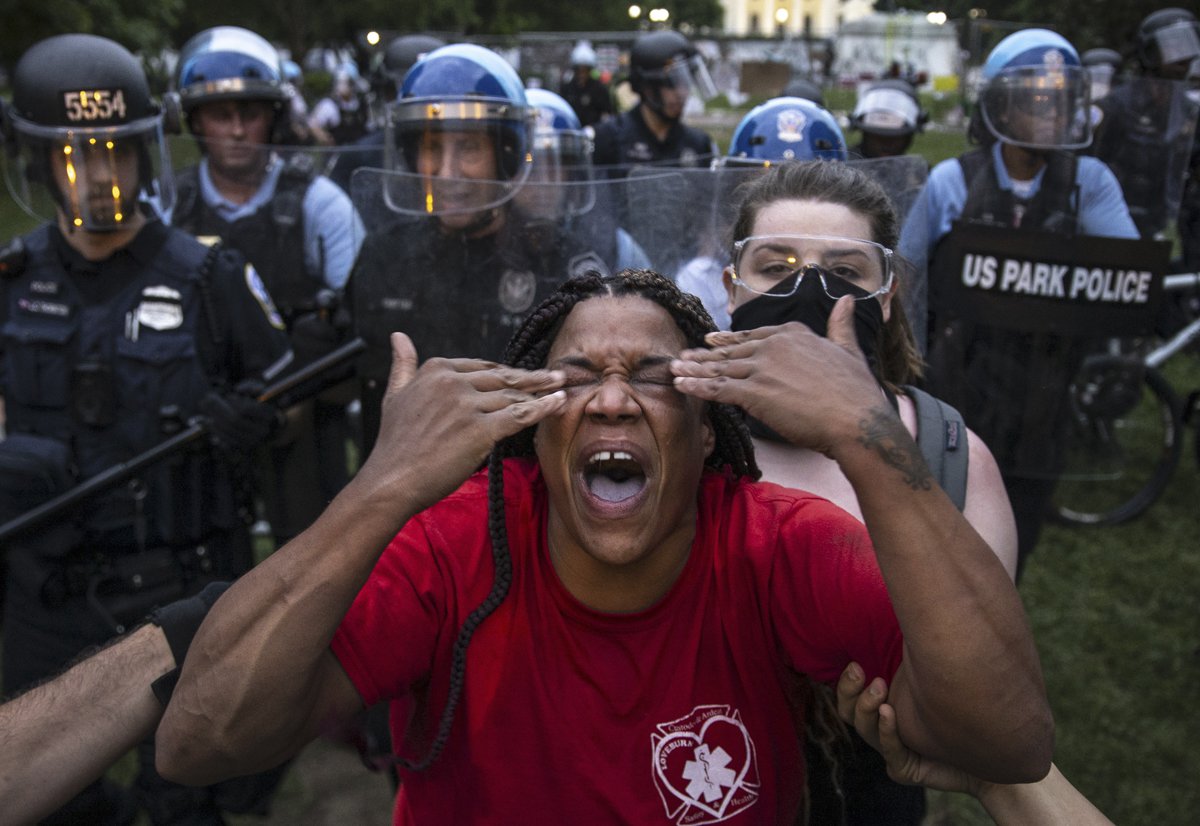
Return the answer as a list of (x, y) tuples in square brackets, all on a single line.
[(791, 18)]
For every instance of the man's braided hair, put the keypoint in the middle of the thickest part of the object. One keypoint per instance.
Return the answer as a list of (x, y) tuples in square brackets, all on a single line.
[(528, 349)]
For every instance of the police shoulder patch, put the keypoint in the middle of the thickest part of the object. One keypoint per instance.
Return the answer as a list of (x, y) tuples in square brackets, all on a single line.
[(259, 291)]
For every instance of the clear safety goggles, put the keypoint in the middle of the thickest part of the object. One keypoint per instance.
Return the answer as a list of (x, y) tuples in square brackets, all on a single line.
[(777, 264)]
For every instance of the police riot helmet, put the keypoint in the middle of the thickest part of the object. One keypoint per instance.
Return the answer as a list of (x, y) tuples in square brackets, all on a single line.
[(802, 87), (786, 129), (1036, 92), (404, 52), (86, 136), (560, 181), (229, 63), (583, 55), (461, 114), (889, 107), (1167, 41), (1102, 66), (664, 60)]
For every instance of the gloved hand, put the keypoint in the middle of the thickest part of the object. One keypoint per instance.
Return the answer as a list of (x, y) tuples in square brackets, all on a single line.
[(240, 422), (314, 335), (180, 621)]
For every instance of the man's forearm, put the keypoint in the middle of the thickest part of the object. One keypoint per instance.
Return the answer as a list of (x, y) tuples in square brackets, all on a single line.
[(1050, 802), (969, 690), (249, 694), (50, 748)]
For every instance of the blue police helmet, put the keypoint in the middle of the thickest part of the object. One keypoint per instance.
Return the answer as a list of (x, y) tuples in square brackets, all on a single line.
[(1037, 92), (228, 63), (463, 87), (787, 129), (1030, 47), (553, 111), (460, 71)]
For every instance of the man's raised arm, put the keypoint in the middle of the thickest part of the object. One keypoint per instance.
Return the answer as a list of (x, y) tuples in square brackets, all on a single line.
[(259, 681), (969, 690)]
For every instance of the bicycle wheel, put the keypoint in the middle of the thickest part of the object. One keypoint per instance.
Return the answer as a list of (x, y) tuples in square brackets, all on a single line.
[(1123, 444)]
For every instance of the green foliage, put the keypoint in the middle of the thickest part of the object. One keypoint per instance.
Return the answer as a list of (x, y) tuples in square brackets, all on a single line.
[(137, 25)]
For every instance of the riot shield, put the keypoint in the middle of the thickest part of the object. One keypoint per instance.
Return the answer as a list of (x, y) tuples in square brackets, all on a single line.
[(1014, 315), (1145, 134), (460, 283)]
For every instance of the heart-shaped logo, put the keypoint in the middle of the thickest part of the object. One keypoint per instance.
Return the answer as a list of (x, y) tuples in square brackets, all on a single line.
[(704, 766)]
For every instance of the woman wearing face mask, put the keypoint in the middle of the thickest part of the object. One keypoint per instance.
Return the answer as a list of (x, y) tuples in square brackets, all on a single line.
[(806, 234)]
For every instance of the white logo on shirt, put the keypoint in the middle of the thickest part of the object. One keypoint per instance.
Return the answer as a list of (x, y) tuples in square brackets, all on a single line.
[(704, 766)]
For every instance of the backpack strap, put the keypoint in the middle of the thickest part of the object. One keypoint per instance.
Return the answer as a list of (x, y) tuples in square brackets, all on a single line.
[(942, 437)]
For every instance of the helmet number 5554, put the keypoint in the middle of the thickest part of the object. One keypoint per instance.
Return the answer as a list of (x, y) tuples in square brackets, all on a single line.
[(94, 104)]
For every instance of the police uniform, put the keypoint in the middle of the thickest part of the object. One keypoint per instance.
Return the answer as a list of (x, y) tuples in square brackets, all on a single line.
[(626, 141), (591, 99), (100, 361), (1139, 131), (301, 233), (1011, 386), (458, 296)]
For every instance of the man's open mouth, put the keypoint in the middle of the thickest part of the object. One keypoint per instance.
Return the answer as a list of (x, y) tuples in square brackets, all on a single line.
[(614, 475)]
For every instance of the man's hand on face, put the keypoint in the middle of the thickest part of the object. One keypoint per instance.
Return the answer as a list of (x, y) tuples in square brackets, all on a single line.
[(809, 389), (440, 421)]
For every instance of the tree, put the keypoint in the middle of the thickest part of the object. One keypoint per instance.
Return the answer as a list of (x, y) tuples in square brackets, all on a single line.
[(137, 25)]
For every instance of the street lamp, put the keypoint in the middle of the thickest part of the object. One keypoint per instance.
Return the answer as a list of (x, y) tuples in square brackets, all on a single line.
[(659, 15), (372, 38), (635, 12)]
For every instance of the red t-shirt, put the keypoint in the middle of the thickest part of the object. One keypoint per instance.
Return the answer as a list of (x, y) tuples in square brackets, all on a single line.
[(683, 713)]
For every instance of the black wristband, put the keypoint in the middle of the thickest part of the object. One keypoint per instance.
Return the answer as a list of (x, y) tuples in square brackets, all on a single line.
[(179, 622)]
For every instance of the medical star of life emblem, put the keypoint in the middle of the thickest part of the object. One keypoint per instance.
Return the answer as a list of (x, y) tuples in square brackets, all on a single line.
[(704, 766)]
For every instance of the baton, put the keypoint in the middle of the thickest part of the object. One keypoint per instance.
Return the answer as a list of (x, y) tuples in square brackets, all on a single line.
[(197, 428)]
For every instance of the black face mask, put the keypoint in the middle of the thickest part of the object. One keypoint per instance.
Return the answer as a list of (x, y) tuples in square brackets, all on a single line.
[(810, 306)]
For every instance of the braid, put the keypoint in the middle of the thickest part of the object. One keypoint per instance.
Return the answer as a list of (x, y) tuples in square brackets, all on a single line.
[(502, 560), (528, 349)]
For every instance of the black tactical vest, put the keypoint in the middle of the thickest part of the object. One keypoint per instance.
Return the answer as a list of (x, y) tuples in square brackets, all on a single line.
[(272, 238)]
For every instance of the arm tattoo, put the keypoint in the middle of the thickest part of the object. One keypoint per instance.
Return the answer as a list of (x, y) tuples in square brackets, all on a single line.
[(885, 434)]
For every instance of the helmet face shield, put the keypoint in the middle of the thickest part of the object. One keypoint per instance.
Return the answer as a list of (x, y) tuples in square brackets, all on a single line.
[(1039, 107), (457, 158), (886, 112), (560, 179), (667, 90), (1177, 43), (98, 178)]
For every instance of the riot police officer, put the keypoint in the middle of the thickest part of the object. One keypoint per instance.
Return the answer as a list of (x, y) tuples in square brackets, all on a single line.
[(1011, 386), (296, 227), (587, 94), (664, 70), (451, 259), (889, 115), (117, 329), (1146, 129)]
